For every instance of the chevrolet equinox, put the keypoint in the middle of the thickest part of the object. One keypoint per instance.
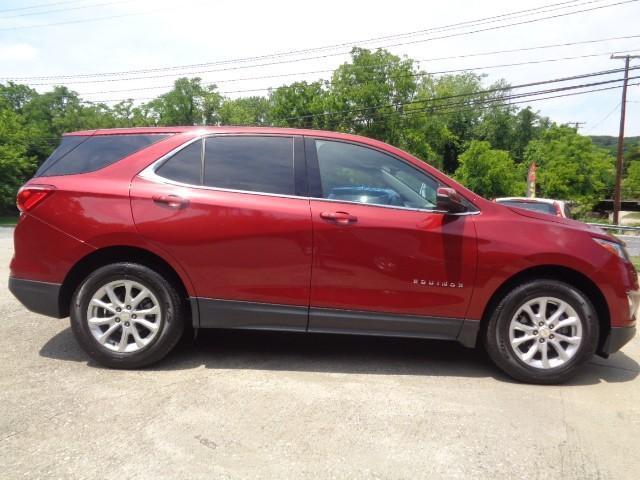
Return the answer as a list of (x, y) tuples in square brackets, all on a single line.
[(134, 232)]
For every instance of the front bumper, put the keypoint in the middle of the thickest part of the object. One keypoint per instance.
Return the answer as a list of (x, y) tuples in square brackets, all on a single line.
[(617, 338), (39, 297)]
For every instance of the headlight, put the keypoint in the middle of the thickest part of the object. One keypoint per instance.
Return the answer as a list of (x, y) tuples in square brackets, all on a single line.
[(613, 247)]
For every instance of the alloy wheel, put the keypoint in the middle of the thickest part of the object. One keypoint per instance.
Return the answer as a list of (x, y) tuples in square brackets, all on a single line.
[(124, 316), (545, 332)]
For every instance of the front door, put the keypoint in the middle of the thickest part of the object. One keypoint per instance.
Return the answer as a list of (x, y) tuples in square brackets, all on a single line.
[(384, 261)]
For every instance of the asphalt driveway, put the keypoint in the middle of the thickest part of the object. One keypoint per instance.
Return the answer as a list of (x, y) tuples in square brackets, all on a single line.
[(248, 405)]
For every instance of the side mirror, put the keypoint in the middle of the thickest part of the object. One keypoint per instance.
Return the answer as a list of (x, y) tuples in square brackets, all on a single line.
[(449, 201)]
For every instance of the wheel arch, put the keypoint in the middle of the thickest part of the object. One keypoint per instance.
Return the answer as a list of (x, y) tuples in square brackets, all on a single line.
[(114, 254), (563, 274)]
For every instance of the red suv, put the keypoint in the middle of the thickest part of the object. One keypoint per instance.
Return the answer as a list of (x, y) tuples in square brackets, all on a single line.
[(133, 232)]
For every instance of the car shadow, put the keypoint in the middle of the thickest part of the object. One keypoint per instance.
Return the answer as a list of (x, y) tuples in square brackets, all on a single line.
[(280, 351)]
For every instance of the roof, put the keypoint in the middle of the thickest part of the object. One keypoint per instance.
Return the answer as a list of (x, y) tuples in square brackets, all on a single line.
[(202, 130), (220, 129)]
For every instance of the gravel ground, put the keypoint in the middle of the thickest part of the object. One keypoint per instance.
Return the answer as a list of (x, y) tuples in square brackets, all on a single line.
[(249, 405)]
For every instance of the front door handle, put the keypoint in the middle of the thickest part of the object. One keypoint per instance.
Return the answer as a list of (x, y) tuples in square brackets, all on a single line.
[(173, 201), (342, 218)]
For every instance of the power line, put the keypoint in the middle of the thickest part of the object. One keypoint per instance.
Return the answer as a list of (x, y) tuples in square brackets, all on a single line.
[(95, 19), (417, 74), (489, 103), (301, 73), (443, 112), (491, 90), (539, 99), (480, 92), (80, 7), (393, 45), (516, 24), (480, 21), (296, 52), (40, 6), (261, 77), (600, 122), (369, 40), (183, 67)]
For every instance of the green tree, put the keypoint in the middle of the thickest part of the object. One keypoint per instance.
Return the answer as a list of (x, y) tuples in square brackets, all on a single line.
[(570, 166), (15, 163), (631, 183), (368, 93), (300, 104), (188, 103), (497, 126), (490, 173), (244, 111)]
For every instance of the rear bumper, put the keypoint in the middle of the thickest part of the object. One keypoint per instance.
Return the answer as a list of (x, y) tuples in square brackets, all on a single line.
[(39, 297), (618, 337)]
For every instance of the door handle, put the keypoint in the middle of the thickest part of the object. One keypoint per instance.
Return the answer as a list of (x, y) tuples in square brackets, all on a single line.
[(173, 201), (342, 218)]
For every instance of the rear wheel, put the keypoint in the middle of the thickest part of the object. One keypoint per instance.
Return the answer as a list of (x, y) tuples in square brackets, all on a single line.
[(542, 332), (126, 315)]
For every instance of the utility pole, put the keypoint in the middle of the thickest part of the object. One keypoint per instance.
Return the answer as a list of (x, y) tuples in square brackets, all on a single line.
[(619, 158)]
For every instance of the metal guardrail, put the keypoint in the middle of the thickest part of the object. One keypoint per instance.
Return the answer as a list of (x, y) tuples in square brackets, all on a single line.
[(618, 228)]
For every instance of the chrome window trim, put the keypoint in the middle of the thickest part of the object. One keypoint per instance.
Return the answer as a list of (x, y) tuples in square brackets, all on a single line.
[(476, 210), (395, 207), (149, 173)]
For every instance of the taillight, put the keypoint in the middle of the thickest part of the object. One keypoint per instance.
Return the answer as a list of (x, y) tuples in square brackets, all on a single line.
[(31, 195)]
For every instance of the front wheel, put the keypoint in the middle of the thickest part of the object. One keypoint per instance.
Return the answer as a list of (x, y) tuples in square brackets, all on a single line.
[(126, 315), (542, 332)]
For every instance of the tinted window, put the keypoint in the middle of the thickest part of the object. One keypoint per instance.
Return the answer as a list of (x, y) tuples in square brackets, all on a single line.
[(185, 166), (358, 174), (256, 164), (93, 153), (66, 145), (535, 206)]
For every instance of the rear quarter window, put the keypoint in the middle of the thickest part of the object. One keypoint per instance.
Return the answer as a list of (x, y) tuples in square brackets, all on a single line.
[(83, 154)]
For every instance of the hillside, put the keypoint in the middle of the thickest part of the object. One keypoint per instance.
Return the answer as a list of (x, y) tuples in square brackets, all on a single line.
[(611, 143)]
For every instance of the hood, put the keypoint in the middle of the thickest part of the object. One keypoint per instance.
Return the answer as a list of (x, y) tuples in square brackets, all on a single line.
[(573, 224)]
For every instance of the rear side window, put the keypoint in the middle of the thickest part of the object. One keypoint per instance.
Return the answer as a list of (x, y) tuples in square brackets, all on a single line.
[(250, 163), (185, 166), (82, 154)]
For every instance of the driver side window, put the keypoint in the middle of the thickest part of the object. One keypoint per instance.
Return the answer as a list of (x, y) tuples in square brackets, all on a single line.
[(355, 173)]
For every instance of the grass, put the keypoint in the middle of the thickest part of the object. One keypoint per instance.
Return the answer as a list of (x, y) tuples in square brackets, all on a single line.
[(8, 221), (636, 262)]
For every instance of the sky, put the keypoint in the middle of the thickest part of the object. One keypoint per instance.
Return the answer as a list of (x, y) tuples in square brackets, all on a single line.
[(48, 38)]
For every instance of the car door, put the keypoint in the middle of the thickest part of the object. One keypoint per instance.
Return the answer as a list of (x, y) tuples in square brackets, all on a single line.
[(228, 209), (384, 260)]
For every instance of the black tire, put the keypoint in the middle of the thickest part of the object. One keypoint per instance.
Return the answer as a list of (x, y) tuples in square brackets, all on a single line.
[(502, 353), (171, 323)]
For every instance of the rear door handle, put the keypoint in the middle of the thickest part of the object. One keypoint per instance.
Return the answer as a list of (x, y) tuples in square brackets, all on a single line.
[(343, 218), (173, 201)]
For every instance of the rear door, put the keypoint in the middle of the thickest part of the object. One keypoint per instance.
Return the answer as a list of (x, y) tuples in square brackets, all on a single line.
[(231, 210)]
